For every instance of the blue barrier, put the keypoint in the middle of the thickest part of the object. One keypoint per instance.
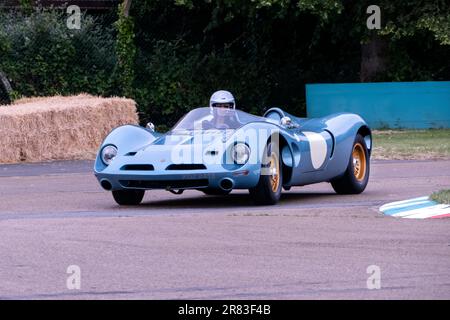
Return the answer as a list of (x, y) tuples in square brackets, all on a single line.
[(414, 105)]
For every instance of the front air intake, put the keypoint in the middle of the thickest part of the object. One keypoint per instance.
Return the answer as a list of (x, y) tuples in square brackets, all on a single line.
[(138, 167), (106, 185), (186, 166)]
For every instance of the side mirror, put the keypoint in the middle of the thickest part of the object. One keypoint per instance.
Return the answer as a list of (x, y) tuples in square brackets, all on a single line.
[(287, 122), (150, 126)]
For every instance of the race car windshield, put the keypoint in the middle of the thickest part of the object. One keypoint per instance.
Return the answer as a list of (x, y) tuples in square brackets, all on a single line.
[(214, 118)]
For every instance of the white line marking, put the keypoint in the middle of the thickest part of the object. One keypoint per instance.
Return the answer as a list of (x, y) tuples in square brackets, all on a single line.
[(406, 205), (391, 205), (423, 212)]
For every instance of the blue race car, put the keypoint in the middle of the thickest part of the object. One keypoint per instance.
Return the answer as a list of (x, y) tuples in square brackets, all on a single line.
[(216, 150)]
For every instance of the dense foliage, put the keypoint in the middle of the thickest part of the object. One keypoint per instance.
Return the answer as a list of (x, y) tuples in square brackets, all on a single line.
[(41, 56), (171, 55), (126, 51)]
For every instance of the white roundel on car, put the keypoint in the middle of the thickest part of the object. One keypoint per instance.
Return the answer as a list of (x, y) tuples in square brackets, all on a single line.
[(318, 147)]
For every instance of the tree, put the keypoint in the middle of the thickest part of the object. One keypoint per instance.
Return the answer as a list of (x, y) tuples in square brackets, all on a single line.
[(126, 49), (386, 53), (5, 89)]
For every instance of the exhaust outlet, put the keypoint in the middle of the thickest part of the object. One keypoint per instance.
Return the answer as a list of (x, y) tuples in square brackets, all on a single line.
[(226, 184), (106, 185)]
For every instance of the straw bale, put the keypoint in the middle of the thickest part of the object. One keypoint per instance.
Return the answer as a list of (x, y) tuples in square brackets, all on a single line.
[(60, 128)]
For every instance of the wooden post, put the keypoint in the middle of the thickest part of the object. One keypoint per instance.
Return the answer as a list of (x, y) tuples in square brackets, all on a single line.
[(5, 89), (374, 58), (127, 5)]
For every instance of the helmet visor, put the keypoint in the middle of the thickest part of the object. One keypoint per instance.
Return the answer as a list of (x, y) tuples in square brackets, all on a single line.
[(228, 105)]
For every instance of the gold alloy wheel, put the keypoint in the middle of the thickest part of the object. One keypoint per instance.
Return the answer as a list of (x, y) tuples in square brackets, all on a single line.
[(274, 166), (359, 162)]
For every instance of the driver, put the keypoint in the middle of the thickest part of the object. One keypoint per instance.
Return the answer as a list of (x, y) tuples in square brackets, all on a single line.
[(223, 106)]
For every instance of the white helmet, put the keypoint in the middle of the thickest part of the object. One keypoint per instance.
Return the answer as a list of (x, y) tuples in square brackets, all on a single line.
[(222, 97)]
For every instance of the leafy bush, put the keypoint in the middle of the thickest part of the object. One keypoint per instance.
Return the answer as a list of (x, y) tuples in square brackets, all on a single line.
[(176, 77), (41, 56)]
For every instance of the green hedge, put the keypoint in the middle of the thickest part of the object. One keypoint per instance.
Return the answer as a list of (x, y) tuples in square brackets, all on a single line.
[(41, 56)]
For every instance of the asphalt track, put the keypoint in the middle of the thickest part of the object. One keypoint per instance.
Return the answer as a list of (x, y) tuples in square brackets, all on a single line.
[(313, 245)]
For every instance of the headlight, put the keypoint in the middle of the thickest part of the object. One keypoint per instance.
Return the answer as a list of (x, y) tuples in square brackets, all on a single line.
[(108, 154), (240, 153)]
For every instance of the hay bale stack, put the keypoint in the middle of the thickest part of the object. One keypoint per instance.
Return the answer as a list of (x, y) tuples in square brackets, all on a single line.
[(60, 128)]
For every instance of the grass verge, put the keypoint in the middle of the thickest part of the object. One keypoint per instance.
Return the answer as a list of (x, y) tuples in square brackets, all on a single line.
[(411, 144), (442, 196)]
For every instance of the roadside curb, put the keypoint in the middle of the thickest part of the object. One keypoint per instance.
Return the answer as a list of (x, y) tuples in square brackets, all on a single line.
[(416, 208)]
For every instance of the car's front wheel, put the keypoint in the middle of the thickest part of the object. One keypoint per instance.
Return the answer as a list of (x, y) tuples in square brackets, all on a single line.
[(356, 176), (268, 189), (128, 197)]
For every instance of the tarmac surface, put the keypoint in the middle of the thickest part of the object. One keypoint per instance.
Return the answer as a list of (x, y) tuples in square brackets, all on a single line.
[(314, 244)]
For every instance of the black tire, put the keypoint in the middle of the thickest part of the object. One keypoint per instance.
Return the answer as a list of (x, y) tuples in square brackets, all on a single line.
[(128, 197), (267, 192), (215, 191), (353, 181)]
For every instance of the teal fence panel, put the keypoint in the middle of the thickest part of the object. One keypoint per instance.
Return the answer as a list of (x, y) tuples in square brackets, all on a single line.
[(412, 105)]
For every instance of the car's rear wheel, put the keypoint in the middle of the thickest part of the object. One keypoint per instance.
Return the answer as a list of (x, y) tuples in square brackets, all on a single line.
[(128, 197), (215, 191), (356, 176), (268, 189)]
